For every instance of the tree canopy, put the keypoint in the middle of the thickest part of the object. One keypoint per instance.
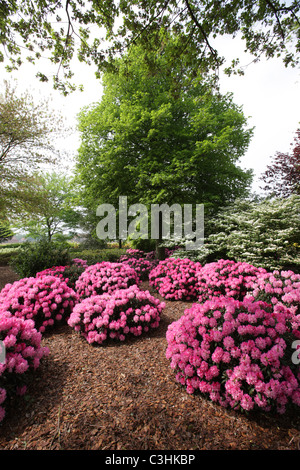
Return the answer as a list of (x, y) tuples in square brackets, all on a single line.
[(54, 212), (5, 231), (27, 133), (97, 31), (161, 135)]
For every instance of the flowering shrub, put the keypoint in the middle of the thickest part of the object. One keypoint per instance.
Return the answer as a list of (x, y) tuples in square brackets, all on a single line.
[(46, 300), (150, 255), (175, 279), (237, 353), (168, 253), (142, 266), (226, 277), (132, 253), (69, 273), (54, 271), (105, 277), (278, 286), (23, 352), (262, 233), (115, 315), (79, 262)]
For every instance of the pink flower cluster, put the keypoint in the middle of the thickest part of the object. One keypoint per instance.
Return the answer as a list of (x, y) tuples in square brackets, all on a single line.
[(53, 271), (46, 300), (142, 266), (23, 352), (226, 277), (105, 277), (79, 262), (135, 253), (235, 352), (70, 274), (175, 279), (116, 315), (132, 253), (278, 287)]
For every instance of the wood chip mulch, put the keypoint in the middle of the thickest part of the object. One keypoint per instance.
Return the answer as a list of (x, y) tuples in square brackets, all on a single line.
[(123, 396)]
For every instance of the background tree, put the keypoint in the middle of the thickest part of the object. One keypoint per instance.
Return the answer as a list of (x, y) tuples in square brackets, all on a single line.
[(161, 135), (282, 177), (27, 143), (98, 31), (54, 210)]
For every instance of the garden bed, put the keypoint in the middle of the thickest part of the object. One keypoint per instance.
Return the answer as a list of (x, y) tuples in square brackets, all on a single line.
[(123, 396)]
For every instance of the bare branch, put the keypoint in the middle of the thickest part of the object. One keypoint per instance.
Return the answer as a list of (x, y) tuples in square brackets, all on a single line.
[(275, 10), (199, 26)]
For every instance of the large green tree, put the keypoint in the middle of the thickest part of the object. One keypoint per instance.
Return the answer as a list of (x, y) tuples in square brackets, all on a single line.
[(160, 134), (98, 30)]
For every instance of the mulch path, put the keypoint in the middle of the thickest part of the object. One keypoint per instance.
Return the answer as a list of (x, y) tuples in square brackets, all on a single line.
[(124, 397)]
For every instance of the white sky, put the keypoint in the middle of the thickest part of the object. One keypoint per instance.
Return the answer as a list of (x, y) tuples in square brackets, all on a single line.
[(270, 96), (268, 93)]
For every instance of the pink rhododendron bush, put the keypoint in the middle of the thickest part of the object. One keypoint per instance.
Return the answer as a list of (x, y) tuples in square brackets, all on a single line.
[(226, 278), (23, 353), (175, 279), (116, 315), (104, 278), (53, 271), (133, 253), (278, 287), (70, 274), (237, 353), (142, 266), (46, 300), (150, 255)]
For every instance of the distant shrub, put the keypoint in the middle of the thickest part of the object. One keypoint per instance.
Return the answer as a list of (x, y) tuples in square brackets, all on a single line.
[(175, 279), (132, 253), (144, 245), (105, 277), (97, 256), (264, 233), (142, 266), (37, 256), (69, 274)]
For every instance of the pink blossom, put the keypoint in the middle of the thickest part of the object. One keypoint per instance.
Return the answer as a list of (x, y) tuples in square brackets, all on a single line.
[(34, 298), (23, 351), (116, 315), (248, 363), (175, 279), (104, 278)]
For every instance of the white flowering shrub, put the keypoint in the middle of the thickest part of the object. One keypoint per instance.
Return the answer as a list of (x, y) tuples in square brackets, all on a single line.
[(264, 234)]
